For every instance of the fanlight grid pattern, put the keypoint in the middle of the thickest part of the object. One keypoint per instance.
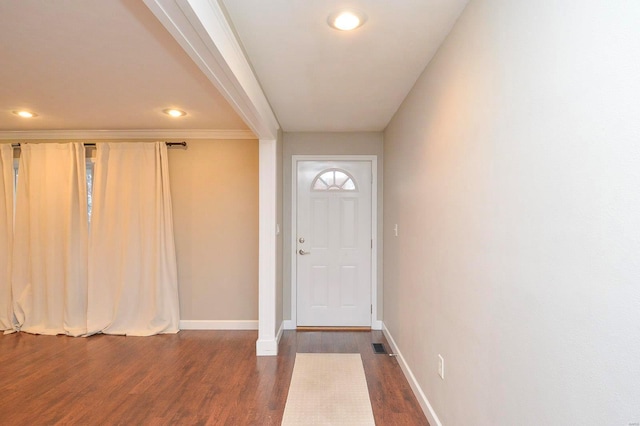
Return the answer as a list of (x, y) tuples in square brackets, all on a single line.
[(333, 180)]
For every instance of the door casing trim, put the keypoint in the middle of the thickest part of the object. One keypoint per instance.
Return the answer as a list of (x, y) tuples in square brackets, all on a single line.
[(376, 324)]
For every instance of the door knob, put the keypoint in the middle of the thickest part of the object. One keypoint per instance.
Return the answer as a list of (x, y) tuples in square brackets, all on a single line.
[(302, 252)]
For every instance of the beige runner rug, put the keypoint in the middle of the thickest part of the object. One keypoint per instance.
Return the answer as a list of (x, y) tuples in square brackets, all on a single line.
[(328, 389)]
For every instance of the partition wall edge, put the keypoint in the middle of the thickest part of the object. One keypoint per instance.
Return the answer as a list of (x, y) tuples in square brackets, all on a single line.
[(203, 32), (267, 343)]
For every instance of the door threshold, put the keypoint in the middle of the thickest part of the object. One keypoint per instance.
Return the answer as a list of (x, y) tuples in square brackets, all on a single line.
[(323, 328)]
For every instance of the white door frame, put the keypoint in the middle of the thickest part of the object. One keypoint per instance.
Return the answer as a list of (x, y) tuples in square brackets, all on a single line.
[(375, 324)]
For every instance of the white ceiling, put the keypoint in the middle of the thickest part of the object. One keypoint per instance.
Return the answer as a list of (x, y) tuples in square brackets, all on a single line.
[(111, 65), (100, 65), (320, 79)]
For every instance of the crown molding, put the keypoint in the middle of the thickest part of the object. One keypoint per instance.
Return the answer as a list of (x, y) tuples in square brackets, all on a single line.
[(127, 134)]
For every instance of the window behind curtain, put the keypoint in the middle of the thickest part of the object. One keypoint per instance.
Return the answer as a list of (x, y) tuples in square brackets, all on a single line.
[(90, 166)]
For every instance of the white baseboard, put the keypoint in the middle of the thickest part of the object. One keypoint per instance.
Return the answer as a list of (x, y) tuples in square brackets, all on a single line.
[(269, 347), (428, 410), (280, 331), (218, 325), (376, 325), (263, 348)]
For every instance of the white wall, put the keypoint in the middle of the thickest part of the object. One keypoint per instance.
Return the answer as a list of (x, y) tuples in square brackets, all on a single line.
[(279, 219), (319, 143), (513, 171)]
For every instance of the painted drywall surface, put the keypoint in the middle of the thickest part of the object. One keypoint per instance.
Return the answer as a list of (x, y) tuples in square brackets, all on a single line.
[(513, 172), (312, 143), (214, 187), (279, 257)]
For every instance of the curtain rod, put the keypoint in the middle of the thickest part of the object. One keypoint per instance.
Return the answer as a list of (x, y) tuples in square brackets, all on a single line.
[(169, 144)]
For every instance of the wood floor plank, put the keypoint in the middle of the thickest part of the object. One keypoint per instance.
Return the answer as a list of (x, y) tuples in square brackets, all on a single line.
[(191, 378)]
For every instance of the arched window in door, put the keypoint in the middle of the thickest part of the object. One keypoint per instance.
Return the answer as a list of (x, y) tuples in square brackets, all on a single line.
[(334, 180)]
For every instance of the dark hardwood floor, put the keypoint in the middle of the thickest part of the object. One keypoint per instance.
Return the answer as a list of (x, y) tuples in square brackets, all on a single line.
[(191, 378)]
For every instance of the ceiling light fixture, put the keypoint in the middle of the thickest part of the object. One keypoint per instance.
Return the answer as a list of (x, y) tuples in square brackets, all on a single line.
[(174, 112), (25, 114), (346, 20)]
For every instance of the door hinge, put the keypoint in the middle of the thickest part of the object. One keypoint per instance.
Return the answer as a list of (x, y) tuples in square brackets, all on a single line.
[(371, 309)]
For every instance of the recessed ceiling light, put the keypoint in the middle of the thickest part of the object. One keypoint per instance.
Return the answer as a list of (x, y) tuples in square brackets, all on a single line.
[(25, 114), (174, 112), (346, 20)]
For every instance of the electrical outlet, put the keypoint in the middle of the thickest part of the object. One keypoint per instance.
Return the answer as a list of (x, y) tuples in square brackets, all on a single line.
[(395, 229), (441, 366)]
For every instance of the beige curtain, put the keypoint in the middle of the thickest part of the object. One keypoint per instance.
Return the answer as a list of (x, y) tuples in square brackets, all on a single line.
[(50, 240), (133, 284), (6, 235)]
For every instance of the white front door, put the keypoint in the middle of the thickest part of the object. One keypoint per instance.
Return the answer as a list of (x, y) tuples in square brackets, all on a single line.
[(333, 243)]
